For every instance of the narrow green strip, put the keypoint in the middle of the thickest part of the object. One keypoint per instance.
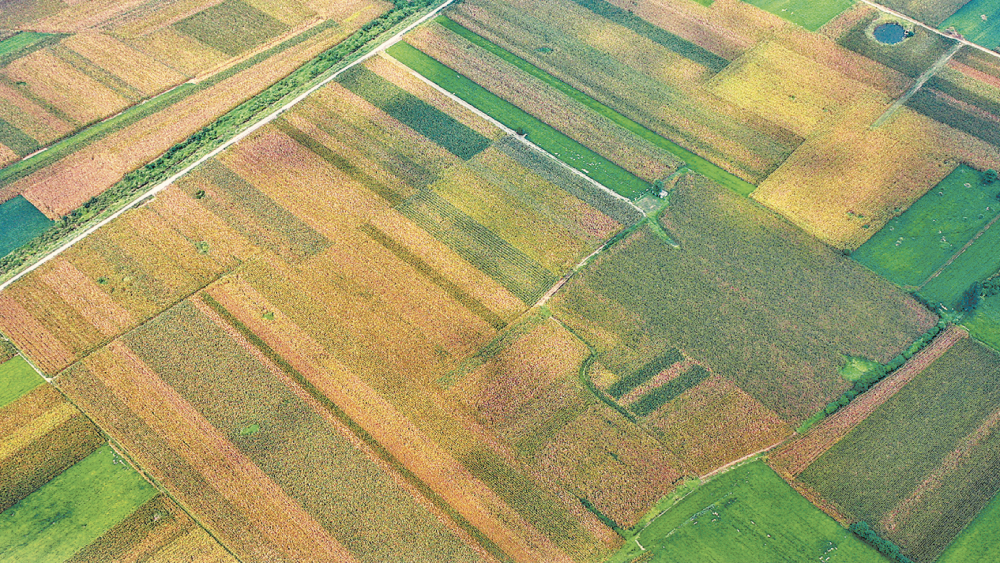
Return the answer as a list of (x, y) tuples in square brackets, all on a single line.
[(693, 161), (16, 140), (562, 147), (17, 379)]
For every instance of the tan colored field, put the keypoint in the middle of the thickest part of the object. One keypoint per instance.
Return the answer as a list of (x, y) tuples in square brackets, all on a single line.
[(794, 458), (32, 337), (7, 156), (138, 70), (29, 117), (847, 180), (82, 98), (790, 89), (289, 12), (178, 51)]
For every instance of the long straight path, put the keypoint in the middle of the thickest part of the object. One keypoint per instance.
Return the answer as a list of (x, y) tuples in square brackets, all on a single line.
[(249, 131), (921, 80)]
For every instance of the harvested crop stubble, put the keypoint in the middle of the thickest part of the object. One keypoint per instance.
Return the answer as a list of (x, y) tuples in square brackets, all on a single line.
[(542, 34), (30, 117), (184, 54), (734, 258), (935, 467), (399, 435), (847, 180), (60, 318), (32, 337), (7, 156), (717, 422), (281, 528), (795, 457), (86, 297), (231, 26), (82, 98), (138, 70), (554, 108)]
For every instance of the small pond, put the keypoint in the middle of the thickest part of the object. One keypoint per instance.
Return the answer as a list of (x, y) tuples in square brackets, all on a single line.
[(889, 33)]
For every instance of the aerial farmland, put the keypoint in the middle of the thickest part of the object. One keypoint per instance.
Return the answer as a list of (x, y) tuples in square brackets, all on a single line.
[(510, 281)]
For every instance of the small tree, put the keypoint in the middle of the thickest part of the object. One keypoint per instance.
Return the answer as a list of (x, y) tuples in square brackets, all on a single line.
[(989, 176), (970, 299)]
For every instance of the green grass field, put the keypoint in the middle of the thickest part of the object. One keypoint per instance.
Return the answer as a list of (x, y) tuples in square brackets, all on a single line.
[(17, 378), (984, 324), (980, 540), (567, 150), (914, 245), (968, 21), (978, 262), (693, 161), (923, 464), (19, 222), (23, 43), (746, 514), (72, 510), (810, 14)]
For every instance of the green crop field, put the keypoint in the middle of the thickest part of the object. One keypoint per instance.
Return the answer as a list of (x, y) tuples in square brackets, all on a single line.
[(746, 514), (978, 21), (923, 464), (540, 133), (911, 247), (807, 13), (231, 27), (17, 377), (980, 540), (20, 222), (693, 161), (72, 510), (16, 140)]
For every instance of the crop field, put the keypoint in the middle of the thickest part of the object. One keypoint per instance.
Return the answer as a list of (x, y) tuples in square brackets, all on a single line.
[(647, 83), (978, 21), (231, 26), (911, 57), (924, 463), (808, 14), (978, 541), (964, 98), (646, 295), (73, 509), (159, 531), (746, 514), (913, 246), (19, 378), (19, 222), (931, 12)]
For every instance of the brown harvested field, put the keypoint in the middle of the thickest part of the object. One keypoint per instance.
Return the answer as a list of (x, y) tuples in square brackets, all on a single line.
[(281, 529), (42, 435), (86, 297), (134, 68), (32, 337), (568, 116), (7, 156), (29, 117), (793, 458), (79, 96), (846, 181), (178, 51), (715, 423)]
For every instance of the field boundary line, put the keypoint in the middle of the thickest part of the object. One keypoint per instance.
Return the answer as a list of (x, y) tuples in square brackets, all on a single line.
[(237, 138), (524, 140), (960, 252), (901, 15), (921, 80), (748, 457)]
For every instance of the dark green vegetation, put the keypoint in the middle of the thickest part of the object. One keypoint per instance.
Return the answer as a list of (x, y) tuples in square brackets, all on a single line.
[(956, 105), (693, 161), (969, 21), (17, 378), (19, 223), (911, 57), (73, 509), (807, 13), (923, 464), (911, 247), (415, 113), (931, 12), (648, 403), (746, 514), (980, 540), (645, 373), (24, 43), (16, 140), (210, 137), (656, 34), (746, 294), (884, 546), (540, 133), (231, 26)]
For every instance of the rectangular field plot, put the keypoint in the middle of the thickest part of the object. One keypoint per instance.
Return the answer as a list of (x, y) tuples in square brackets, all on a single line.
[(911, 247), (985, 322), (930, 12), (980, 540), (746, 295), (807, 13), (20, 222), (17, 378), (921, 466), (746, 514), (976, 263), (72, 510), (231, 27), (978, 21)]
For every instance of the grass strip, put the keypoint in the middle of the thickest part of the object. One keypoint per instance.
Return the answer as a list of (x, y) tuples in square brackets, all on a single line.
[(356, 428), (694, 162), (18, 378), (545, 136)]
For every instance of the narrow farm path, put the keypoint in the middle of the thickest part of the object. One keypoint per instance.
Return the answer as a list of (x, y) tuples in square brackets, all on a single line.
[(921, 80), (959, 253), (249, 131)]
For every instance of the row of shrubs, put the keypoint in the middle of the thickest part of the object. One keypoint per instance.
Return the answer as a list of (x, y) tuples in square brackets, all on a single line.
[(873, 376), (882, 545), (207, 139)]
